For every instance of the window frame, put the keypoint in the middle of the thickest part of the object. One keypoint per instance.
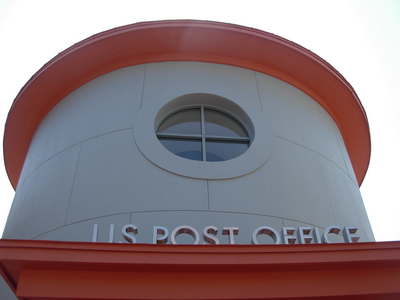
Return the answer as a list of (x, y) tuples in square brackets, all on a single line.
[(204, 137), (181, 96)]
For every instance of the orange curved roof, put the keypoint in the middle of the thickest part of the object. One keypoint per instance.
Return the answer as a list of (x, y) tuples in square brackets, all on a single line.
[(185, 40)]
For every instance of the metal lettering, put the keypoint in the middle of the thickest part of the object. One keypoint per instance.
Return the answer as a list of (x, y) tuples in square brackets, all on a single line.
[(111, 236), (164, 235), (268, 231), (95, 232), (210, 239), (231, 231), (304, 236), (288, 235), (126, 232), (331, 229), (185, 229), (316, 236), (349, 236)]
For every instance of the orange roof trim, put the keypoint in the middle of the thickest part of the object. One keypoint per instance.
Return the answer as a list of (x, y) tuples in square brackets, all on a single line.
[(185, 40), (76, 270)]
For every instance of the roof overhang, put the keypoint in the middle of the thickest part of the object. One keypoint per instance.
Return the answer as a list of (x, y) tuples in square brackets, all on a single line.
[(185, 40), (76, 270)]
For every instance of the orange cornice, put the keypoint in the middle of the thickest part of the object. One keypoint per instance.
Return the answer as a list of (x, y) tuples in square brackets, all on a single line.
[(76, 270), (185, 40)]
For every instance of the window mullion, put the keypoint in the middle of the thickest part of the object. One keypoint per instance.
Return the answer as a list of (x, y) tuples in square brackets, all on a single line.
[(178, 136), (203, 133), (228, 138)]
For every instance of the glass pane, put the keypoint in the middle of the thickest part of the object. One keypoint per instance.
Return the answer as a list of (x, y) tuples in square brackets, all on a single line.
[(190, 149), (220, 151), (220, 124), (183, 122)]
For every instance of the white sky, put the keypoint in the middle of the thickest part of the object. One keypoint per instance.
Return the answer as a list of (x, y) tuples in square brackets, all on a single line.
[(360, 38)]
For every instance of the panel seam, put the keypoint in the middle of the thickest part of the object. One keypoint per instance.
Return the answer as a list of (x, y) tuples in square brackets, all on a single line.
[(208, 196), (258, 92), (326, 189), (73, 184), (319, 154), (144, 81)]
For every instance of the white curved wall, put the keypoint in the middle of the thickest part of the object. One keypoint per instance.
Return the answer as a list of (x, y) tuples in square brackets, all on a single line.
[(84, 166)]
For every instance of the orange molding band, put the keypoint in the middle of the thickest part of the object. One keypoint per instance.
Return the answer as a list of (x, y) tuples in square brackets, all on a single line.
[(185, 40), (76, 270)]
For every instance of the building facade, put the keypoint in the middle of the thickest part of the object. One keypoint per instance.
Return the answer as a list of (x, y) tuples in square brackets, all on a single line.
[(188, 132)]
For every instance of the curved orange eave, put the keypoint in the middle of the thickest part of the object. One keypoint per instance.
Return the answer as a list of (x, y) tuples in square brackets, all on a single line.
[(185, 40)]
